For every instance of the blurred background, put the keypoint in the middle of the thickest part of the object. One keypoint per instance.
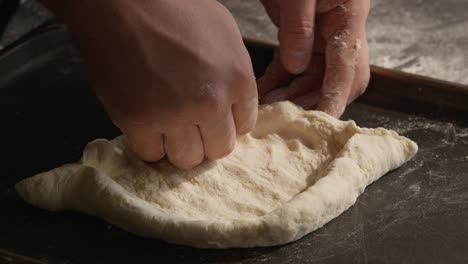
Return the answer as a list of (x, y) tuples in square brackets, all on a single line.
[(425, 37)]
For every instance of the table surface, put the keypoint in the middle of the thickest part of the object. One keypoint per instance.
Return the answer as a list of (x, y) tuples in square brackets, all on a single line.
[(415, 214)]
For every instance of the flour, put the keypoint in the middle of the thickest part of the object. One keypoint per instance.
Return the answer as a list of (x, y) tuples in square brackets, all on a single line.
[(422, 37)]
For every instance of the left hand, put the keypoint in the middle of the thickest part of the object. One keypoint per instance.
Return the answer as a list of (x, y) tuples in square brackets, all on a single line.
[(322, 61)]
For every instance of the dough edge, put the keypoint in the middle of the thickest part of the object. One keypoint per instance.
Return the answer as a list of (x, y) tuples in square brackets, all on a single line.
[(87, 190)]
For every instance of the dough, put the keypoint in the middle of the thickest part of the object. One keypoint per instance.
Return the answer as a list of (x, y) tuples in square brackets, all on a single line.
[(293, 173)]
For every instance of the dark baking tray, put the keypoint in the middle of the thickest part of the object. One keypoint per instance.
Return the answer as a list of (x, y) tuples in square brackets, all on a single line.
[(415, 214)]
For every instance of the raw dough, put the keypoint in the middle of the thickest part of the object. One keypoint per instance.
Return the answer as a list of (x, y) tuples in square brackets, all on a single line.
[(295, 172)]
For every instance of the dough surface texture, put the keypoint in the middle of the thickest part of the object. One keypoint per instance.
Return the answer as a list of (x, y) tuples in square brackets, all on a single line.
[(296, 171)]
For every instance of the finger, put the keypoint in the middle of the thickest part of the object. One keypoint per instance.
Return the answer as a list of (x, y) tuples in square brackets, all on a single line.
[(361, 79), (184, 147), (327, 5), (281, 94), (245, 115), (296, 34), (308, 101), (218, 137), (342, 27), (297, 88), (147, 145), (275, 76), (311, 80)]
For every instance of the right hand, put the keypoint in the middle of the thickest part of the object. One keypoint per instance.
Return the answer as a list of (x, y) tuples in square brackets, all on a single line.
[(322, 62), (173, 75)]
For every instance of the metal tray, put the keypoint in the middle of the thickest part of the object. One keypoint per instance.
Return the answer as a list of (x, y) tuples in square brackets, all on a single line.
[(415, 214)]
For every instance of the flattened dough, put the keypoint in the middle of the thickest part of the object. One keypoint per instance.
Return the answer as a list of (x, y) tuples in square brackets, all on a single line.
[(295, 172)]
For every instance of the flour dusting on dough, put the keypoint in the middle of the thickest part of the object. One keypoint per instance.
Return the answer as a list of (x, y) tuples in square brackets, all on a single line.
[(292, 174)]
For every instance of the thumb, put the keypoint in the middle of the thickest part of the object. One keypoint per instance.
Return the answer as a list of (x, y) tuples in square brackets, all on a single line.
[(296, 34)]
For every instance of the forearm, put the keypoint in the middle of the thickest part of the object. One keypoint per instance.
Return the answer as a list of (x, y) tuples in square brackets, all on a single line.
[(84, 16)]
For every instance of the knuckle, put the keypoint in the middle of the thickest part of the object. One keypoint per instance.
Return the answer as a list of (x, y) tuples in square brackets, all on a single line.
[(247, 92), (185, 162), (299, 27), (213, 105), (210, 100), (340, 63), (362, 89), (245, 127), (332, 94), (133, 121), (246, 85), (327, 6), (221, 153), (244, 76), (339, 71), (242, 85), (365, 82), (151, 155), (364, 79), (148, 153)]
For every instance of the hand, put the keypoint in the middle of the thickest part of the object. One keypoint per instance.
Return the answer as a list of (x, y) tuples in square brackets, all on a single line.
[(174, 75), (322, 62)]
